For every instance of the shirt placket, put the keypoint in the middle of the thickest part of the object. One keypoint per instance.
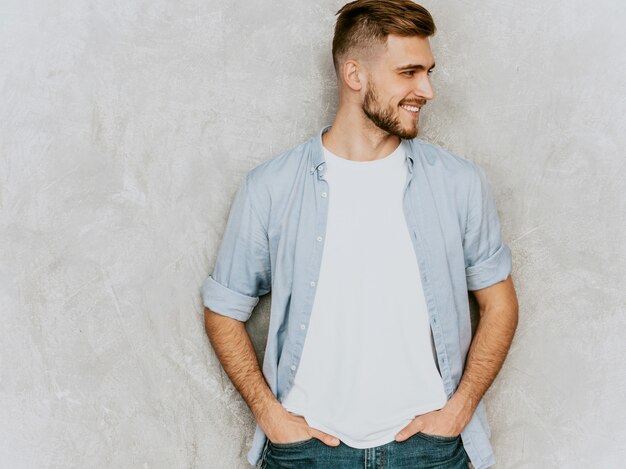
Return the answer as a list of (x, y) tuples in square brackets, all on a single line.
[(431, 303), (321, 217)]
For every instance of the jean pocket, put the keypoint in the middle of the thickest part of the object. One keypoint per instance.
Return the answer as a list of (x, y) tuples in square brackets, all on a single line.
[(431, 436), (291, 444)]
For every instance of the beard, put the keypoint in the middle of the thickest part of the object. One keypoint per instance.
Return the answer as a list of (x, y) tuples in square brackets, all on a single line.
[(385, 119)]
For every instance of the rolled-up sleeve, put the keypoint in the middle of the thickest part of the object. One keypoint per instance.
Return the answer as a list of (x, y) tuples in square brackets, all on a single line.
[(488, 259), (242, 269)]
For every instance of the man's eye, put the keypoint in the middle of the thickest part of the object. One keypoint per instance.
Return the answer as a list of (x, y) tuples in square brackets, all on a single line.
[(410, 73)]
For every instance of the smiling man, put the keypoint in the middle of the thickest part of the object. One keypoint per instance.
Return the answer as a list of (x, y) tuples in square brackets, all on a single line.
[(369, 239)]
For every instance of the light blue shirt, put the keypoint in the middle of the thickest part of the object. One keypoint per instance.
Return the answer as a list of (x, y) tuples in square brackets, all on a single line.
[(274, 239)]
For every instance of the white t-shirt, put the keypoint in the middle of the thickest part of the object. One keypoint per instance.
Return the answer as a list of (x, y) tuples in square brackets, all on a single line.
[(368, 365)]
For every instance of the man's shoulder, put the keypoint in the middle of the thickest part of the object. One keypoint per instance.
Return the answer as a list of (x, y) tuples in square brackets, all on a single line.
[(281, 167)]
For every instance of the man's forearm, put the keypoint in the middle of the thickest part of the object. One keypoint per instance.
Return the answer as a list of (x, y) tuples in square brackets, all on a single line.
[(486, 355), (235, 351)]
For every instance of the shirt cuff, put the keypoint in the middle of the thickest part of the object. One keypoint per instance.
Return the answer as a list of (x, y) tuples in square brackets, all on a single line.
[(492, 270), (227, 302)]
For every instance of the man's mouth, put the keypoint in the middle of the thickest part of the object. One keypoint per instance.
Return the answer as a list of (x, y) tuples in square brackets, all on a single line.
[(412, 109)]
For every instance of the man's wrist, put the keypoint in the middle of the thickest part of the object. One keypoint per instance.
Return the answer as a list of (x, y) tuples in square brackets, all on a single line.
[(462, 406), (268, 413)]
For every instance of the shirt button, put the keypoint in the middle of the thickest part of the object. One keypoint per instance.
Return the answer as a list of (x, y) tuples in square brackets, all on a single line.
[(302, 326), (319, 238), (293, 367), (324, 194), (312, 284)]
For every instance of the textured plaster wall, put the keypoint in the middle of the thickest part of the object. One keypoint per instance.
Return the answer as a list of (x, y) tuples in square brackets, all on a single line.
[(126, 127)]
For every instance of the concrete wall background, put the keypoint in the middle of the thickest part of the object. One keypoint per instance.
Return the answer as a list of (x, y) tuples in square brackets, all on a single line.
[(125, 130)]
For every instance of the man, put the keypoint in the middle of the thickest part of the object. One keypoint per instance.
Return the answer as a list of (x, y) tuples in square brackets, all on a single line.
[(369, 239)]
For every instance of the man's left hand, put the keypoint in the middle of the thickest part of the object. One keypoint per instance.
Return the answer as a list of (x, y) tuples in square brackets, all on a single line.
[(450, 420)]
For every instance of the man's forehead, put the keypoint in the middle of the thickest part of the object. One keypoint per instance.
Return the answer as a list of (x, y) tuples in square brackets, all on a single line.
[(408, 50)]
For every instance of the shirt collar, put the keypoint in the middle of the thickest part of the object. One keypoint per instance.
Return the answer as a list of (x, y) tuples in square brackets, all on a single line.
[(317, 157)]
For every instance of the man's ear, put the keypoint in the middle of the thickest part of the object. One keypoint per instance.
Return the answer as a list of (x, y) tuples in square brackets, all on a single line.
[(353, 75)]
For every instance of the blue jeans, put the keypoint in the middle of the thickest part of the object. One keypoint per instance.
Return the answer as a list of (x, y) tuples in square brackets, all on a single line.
[(420, 451)]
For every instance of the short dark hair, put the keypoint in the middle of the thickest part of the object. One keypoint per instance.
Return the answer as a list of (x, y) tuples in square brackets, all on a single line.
[(364, 24)]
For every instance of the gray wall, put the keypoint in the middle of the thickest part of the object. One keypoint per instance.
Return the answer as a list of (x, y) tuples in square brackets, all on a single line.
[(125, 130)]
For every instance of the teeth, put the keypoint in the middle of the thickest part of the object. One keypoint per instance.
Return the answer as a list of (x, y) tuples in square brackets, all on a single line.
[(411, 108)]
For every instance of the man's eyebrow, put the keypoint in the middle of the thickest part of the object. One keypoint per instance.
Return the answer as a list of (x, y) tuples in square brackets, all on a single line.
[(416, 66)]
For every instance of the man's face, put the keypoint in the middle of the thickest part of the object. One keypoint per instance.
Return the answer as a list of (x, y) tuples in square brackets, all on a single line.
[(398, 83)]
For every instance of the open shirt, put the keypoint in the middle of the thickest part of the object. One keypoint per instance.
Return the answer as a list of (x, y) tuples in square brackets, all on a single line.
[(274, 238)]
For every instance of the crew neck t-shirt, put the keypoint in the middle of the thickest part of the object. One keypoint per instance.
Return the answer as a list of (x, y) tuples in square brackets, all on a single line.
[(368, 364)]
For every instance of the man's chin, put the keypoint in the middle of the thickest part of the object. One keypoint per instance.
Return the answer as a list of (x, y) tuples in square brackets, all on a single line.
[(408, 133), (398, 128), (413, 132)]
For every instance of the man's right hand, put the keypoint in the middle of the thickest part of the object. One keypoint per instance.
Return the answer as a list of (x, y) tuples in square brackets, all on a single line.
[(282, 427)]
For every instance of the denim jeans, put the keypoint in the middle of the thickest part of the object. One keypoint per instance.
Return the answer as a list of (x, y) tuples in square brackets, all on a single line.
[(420, 451)]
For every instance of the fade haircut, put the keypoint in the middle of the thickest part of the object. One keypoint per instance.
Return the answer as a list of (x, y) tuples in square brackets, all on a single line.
[(363, 25)]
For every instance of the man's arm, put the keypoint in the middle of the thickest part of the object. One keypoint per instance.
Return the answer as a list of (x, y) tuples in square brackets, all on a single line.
[(231, 342), (498, 320), (494, 334)]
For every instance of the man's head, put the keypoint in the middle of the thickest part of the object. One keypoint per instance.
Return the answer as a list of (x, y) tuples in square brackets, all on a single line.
[(382, 58)]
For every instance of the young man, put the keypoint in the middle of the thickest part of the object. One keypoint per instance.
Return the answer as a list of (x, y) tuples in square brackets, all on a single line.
[(369, 239)]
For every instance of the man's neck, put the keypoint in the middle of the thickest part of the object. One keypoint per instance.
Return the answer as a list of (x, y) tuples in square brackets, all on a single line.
[(353, 138)]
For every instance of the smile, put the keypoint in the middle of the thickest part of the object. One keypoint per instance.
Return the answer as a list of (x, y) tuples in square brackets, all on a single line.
[(412, 109)]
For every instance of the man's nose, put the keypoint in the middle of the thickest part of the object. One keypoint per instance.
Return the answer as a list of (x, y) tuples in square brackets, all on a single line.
[(424, 88)]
